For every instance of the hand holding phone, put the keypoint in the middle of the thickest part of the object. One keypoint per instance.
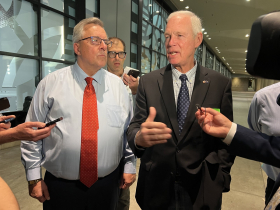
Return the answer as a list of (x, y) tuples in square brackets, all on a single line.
[(7, 120), (133, 73)]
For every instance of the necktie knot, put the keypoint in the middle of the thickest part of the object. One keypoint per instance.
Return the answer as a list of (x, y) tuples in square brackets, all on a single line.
[(183, 78), (89, 80)]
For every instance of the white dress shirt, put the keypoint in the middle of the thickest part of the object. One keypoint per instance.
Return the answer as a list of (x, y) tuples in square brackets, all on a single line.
[(60, 94)]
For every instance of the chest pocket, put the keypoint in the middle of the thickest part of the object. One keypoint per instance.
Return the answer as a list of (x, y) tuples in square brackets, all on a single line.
[(114, 116)]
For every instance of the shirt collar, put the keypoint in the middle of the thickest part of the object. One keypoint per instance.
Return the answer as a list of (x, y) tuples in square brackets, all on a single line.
[(190, 74), (81, 75)]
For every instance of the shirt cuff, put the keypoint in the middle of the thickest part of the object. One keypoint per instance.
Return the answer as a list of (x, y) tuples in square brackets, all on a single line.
[(130, 168), (230, 134), (33, 174), (138, 147)]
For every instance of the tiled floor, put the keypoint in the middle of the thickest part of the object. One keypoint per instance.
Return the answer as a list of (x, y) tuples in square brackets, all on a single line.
[(247, 186)]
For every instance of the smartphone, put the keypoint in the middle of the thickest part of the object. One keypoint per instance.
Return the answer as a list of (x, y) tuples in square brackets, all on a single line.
[(52, 122), (4, 103), (133, 73)]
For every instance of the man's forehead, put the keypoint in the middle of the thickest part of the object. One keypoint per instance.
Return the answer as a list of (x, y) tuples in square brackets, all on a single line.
[(95, 30), (116, 44)]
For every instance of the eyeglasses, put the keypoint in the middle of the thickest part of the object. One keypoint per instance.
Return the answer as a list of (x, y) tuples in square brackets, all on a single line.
[(95, 40), (113, 54)]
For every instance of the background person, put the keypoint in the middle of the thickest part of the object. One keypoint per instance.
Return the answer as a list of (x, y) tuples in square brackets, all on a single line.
[(115, 62), (180, 167)]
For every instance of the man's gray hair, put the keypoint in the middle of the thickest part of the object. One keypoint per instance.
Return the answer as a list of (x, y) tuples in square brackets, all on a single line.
[(79, 28), (195, 20)]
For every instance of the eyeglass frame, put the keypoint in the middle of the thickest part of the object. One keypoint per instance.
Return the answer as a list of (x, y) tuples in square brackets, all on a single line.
[(117, 53), (104, 40)]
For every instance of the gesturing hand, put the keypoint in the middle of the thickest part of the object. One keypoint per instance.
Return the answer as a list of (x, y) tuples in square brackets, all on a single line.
[(152, 133)]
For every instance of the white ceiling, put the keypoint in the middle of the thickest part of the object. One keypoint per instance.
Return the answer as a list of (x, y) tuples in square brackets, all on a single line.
[(227, 22)]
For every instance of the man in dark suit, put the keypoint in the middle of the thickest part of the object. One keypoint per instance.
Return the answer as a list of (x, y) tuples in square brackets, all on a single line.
[(180, 167), (243, 142)]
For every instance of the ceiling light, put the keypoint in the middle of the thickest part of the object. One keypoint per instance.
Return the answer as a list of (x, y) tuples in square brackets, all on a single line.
[(187, 7), (207, 35), (246, 51), (247, 35), (150, 5), (181, 0), (205, 32), (247, 0), (157, 11), (245, 59), (203, 29), (209, 38), (227, 64), (234, 72), (216, 47)]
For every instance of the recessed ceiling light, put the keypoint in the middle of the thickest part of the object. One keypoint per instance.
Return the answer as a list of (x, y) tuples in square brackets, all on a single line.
[(181, 0), (157, 11), (219, 52), (150, 5), (205, 32), (207, 35), (203, 29), (245, 59), (247, 35), (245, 50), (227, 64), (247, 0), (187, 7), (245, 68), (209, 38), (216, 47)]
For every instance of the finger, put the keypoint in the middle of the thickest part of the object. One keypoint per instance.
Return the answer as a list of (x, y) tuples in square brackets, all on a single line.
[(157, 131), (152, 114), (132, 78), (210, 111), (46, 194), (35, 124), (41, 199)]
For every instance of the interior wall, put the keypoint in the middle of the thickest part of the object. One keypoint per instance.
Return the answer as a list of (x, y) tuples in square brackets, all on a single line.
[(239, 84)]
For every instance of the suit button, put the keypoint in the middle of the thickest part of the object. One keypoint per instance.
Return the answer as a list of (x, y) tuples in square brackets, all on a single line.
[(178, 150)]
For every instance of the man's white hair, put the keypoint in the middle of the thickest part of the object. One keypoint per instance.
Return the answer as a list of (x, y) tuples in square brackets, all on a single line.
[(79, 28), (195, 20)]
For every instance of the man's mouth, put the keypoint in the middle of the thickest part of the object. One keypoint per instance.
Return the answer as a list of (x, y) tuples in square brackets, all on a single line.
[(172, 53)]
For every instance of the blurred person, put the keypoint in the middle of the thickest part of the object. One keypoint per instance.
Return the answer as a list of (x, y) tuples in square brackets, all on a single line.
[(180, 167), (263, 117), (87, 153), (115, 62)]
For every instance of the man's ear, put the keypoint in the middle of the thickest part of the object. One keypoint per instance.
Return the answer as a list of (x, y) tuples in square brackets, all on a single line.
[(77, 48), (198, 39)]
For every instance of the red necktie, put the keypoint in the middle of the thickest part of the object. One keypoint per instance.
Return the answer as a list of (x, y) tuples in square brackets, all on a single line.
[(89, 146)]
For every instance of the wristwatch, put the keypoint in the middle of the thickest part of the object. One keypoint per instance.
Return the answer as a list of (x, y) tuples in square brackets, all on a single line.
[(34, 182)]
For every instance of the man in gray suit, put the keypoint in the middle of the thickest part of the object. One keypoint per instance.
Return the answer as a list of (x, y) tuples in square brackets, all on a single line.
[(181, 167)]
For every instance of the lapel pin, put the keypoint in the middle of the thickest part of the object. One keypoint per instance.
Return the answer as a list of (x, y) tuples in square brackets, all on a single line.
[(205, 81)]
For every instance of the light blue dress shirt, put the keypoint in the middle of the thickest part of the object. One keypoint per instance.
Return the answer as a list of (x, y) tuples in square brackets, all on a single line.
[(264, 117), (60, 94)]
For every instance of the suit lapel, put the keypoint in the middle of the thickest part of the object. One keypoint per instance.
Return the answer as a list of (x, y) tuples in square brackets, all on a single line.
[(200, 90), (167, 92)]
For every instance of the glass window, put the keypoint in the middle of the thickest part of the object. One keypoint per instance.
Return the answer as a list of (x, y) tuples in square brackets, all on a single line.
[(91, 8), (133, 56), (156, 40), (134, 8), (147, 10), (18, 27), (157, 15), (155, 61), (163, 50), (66, 6), (145, 60), (18, 79), (57, 33), (49, 67), (209, 59), (146, 34), (198, 54), (217, 67)]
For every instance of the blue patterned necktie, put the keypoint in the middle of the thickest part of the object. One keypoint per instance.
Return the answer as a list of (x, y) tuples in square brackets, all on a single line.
[(183, 102)]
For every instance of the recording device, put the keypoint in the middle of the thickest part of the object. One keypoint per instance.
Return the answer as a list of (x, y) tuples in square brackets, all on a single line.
[(52, 122), (134, 73), (7, 120), (198, 107), (263, 56), (4, 103)]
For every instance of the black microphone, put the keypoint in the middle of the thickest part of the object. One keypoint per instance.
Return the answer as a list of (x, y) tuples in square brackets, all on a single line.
[(278, 100)]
